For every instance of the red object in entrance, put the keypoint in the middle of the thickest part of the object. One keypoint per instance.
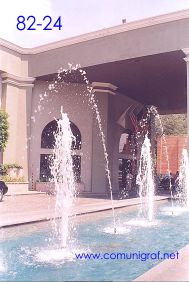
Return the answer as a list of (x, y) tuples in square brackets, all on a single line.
[(175, 145)]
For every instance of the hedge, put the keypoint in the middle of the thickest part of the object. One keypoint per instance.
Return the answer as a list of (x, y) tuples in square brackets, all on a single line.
[(4, 127)]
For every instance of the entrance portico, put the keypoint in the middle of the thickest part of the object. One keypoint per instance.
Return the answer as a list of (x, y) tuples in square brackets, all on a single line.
[(140, 63)]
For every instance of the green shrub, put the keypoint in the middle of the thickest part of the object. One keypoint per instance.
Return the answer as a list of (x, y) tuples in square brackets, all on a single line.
[(4, 168), (7, 166), (4, 127)]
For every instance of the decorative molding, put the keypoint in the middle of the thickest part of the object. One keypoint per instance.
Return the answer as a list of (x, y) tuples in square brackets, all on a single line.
[(186, 52), (104, 91), (17, 80), (103, 87), (166, 18)]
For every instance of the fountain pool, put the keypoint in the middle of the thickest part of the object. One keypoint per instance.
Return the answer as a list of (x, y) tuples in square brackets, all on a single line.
[(26, 252)]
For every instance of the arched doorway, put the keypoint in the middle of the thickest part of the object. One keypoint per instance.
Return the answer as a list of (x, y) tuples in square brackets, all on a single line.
[(48, 142)]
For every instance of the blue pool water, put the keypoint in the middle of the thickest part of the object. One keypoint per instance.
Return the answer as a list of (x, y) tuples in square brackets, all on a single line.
[(25, 256)]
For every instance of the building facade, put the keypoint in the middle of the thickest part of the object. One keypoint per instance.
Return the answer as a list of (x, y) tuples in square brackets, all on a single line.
[(128, 66)]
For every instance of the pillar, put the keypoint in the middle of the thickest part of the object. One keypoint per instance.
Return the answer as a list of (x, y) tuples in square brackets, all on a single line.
[(103, 93), (186, 51), (1, 153), (16, 101)]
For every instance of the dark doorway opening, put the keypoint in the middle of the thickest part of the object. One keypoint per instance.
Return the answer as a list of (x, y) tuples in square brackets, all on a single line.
[(127, 178)]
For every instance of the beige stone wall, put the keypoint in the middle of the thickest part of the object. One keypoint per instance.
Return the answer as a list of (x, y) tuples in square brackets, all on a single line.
[(13, 62), (75, 104), (16, 101), (99, 180)]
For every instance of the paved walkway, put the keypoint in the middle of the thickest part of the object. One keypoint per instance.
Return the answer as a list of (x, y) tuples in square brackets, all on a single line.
[(20, 209), (169, 270)]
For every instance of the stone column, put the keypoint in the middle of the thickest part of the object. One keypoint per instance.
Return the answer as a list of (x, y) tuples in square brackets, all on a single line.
[(1, 153), (186, 51), (103, 93), (16, 101)]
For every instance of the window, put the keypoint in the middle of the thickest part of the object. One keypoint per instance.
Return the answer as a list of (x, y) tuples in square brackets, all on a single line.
[(45, 171), (48, 142)]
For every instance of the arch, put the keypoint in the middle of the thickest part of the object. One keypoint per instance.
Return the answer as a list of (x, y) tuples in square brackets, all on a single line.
[(48, 140)]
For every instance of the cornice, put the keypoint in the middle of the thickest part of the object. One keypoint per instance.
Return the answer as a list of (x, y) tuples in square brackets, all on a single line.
[(17, 80), (166, 18), (186, 52), (108, 85), (103, 87)]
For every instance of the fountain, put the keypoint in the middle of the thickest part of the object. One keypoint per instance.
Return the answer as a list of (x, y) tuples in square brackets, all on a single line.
[(63, 178), (107, 170), (60, 248), (183, 181), (94, 106), (61, 77), (145, 181), (59, 258)]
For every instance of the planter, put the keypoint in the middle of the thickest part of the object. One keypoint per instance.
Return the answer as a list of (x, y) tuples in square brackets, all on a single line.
[(17, 188), (15, 172), (49, 187)]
